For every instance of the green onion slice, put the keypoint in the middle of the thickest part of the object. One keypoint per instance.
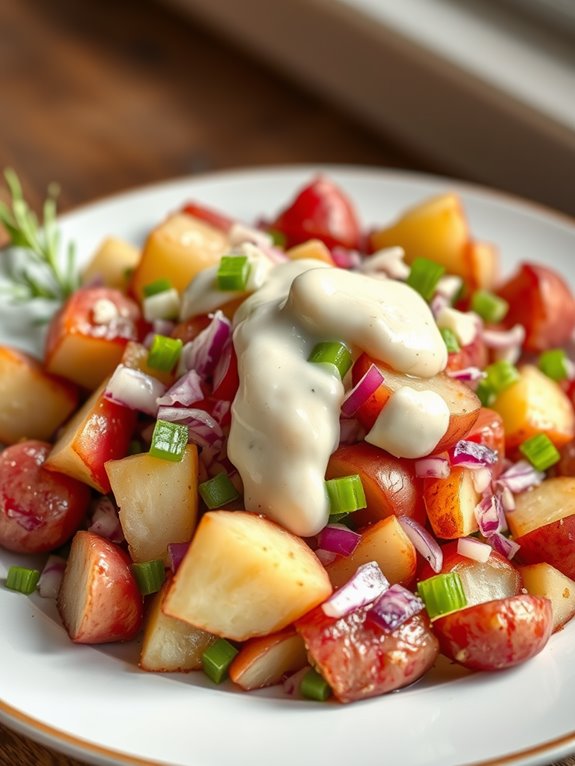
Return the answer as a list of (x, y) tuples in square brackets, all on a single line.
[(217, 659), (22, 579), (164, 353), (218, 491), (554, 364), (450, 340), (490, 307), (332, 352), (313, 686), (233, 272), (501, 375), (540, 451), (154, 288), (169, 441), (424, 276), (346, 495), (442, 593), (150, 575)]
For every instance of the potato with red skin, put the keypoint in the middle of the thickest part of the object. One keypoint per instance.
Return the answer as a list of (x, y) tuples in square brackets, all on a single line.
[(541, 301), (39, 509), (99, 599), (359, 659), (496, 634), (389, 483), (553, 543), (320, 211)]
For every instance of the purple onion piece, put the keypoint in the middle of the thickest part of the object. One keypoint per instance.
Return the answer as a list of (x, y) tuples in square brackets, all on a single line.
[(360, 393), (203, 430), (503, 544), (326, 557), (425, 544), (432, 468), (202, 353), (520, 476), (176, 553), (186, 391), (471, 454), (367, 584), (223, 364), (351, 431), (474, 549), (105, 520), (338, 539), (467, 374), (394, 607), (481, 478), (134, 389), (504, 339), (345, 259), (490, 515), (51, 577)]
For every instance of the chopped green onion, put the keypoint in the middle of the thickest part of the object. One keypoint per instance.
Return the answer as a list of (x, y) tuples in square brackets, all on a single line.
[(278, 237), (218, 491), (540, 451), (332, 352), (164, 353), (150, 575), (22, 580), (485, 393), (424, 276), (169, 441), (313, 686), (159, 286), (217, 659), (450, 340), (489, 306), (346, 495), (442, 594), (233, 272), (554, 364), (501, 375)]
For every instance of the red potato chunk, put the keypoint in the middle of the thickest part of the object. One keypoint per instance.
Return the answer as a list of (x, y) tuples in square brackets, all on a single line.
[(359, 659), (39, 509), (496, 634)]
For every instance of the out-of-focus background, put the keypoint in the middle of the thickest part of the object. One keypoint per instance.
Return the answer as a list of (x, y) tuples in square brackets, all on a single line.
[(105, 95)]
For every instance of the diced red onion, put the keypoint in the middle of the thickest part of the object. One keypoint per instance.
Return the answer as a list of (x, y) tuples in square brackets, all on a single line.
[(467, 374), (469, 454), (503, 544), (438, 303), (220, 409), (186, 391), (223, 364), (202, 353), (275, 254), (520, 476), (367, 584), (474, 549), (203, 430), (326, 557), (504, 339), (388, 262), (345, 259), (163, 326), (449, 286), (360, 393), (425, 544), (105, 520), (51, 577), (134, 389), (490, 516), (351, 431), (176, 553), (481, 478), (338, 539), (507, 499), (240, 233), (394, 607), (432, 468)]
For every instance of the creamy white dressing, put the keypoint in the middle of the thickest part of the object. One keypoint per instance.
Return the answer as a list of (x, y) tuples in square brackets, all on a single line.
[(285, 417), (411, 423)]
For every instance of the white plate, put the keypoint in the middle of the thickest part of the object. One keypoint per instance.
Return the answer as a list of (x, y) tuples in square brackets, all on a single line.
[(95, 704)]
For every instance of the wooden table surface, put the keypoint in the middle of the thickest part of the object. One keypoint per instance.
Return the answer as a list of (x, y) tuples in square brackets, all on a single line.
[(103, 95)]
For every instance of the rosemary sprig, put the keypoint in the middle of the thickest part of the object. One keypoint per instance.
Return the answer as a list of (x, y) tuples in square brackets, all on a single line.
[(40, 273)]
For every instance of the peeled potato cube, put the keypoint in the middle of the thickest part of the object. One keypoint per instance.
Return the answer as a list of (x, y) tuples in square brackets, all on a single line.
[(544, 580), (245, 576), (112, 263), (170, 645), (267, 660)]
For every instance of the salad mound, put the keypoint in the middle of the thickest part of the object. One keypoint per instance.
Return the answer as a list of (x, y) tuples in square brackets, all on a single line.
[(322, 454)]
